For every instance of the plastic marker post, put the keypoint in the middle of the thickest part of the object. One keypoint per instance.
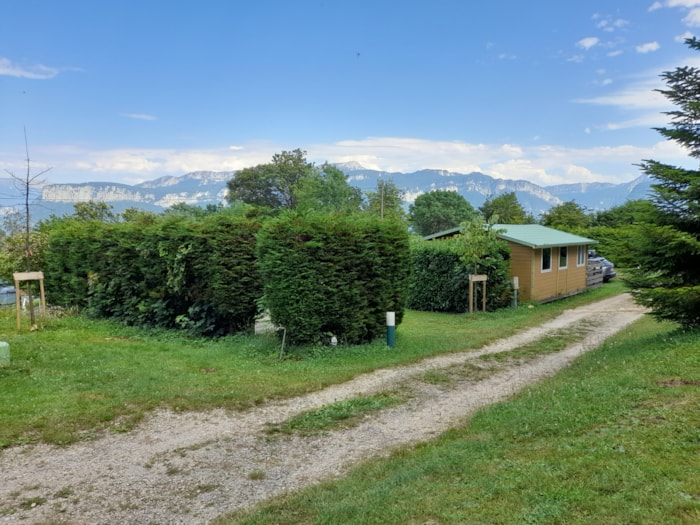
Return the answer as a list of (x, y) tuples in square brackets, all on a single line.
[(390, 329)]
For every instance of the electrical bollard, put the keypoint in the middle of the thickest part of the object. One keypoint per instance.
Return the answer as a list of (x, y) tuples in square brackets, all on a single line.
[(390, 329)]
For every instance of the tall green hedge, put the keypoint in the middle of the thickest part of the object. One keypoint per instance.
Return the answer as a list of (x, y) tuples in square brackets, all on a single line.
[(440, 277), (197, 274), (336, 276)]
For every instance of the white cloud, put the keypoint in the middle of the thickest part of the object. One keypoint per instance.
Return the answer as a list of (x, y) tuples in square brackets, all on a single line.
[(693, 18), (682, 38), (543, 164), (35, 72), (682, 3), (588, 42), (138, 116), (610, 25), (648, 47), (615, 53)]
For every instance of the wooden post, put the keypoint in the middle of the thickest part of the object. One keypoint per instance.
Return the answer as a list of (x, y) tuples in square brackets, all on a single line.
[(472, 279), (28, 276)]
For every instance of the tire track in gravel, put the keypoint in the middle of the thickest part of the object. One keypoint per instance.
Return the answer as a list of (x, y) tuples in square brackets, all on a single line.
[(190, 468)]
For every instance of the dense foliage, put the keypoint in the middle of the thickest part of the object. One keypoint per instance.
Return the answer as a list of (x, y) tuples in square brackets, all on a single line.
[(505, 209), (173, 272), (290, 182), (567, 216), (667, 278), (437, 211), (440, 273), (439, 280), (336, 276), (387, 201)]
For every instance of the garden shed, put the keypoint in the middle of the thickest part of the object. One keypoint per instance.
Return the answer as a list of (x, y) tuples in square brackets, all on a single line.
[(549, 263)]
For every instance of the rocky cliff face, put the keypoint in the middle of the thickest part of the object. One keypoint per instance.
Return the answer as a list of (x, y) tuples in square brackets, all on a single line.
[(198, 188)]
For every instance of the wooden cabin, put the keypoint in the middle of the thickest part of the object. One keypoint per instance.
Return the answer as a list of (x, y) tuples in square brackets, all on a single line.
[(549, 264)]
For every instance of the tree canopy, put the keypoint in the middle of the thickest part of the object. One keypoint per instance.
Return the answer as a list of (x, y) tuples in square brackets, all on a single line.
[(505, 209), (439, 210), (326, 189), (667, 278), (386, 201), (291, 182), (632, 212), (568, 216), (271, 185)]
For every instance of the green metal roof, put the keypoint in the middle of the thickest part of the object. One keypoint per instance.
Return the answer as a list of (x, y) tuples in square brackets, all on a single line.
[(531, 235), (537, 236)]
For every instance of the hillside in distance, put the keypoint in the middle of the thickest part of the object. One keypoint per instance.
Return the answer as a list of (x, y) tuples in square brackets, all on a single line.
[(202, 188), (477, 187)]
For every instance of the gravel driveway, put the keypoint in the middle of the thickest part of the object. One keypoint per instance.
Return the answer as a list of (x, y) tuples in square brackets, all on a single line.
[(189, 468)]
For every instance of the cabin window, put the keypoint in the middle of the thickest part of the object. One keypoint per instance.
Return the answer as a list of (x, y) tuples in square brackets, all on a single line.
[(581, 256), (546, 259), (563, 256)]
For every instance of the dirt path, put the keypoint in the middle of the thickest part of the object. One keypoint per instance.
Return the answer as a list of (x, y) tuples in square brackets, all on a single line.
[(190, 468)]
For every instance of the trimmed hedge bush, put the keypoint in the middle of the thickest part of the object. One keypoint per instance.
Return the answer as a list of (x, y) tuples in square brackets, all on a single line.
[(440, 277), (199, 275), (333, 275)]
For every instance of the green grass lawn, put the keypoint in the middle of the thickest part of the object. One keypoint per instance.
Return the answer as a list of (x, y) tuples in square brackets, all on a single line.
[(614, 439), (76, 376)]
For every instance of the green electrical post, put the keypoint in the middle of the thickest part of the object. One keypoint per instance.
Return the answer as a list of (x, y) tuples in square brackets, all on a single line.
[(390, 329)]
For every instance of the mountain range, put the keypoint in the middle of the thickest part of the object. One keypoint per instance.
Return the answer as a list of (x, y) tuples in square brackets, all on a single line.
[(206, 187)]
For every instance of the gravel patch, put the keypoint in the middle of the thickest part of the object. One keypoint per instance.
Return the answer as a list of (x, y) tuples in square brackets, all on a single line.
[(189, 468)]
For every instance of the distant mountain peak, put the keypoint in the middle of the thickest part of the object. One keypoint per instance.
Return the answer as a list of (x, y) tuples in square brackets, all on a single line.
[(349, 166), (206, 187)]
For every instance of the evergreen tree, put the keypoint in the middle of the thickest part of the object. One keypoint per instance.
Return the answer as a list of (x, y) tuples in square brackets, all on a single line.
[(668, 252)]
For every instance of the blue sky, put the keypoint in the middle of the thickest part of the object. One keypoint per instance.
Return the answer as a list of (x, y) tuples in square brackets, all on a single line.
[(550, 91)]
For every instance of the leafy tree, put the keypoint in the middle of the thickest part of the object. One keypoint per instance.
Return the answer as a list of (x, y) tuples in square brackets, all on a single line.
[(193, 211), (133, 214), (327, 189), (568, 216), (272, 185), (386, 201), (439, 210), (95, 211), (668, 252), (632, 212), (505, 209)]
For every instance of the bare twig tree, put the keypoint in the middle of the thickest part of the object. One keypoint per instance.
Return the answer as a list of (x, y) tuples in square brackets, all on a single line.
[(25, 185)]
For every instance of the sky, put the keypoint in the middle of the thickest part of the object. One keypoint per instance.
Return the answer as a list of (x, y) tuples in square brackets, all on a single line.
[(548, 91)]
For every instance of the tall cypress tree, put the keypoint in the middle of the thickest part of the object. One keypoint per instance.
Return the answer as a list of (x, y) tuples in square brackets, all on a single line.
[(668, 250)]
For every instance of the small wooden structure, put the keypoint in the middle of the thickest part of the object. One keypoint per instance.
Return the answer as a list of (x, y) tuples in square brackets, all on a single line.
[(473, 278), (28, 276), (549, 263)]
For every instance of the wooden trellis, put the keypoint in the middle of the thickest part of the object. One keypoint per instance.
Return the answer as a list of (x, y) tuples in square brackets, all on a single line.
[(473, 278), (28, 276)]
